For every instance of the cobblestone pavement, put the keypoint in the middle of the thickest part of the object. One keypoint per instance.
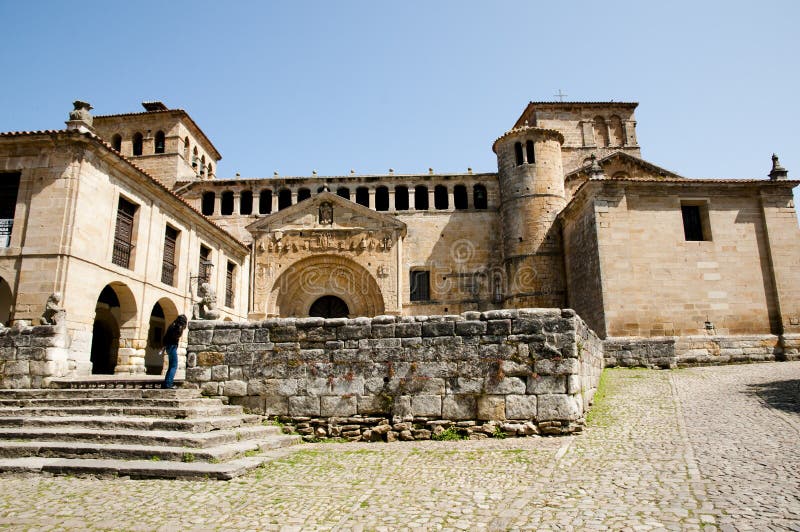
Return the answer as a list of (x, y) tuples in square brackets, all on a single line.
[(708, 448)]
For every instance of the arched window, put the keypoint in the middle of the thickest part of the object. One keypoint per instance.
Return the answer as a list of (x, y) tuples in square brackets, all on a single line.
[(600, 132), (460, 201), (208, 203), (116, 142), (401, 198), (265, 201), (518, 152), (440, 200), (226, 206), (210, 170), (421, 198), (303, 194), (160, 145), (186, 150), (616, 137), (343, 192), (137, 144), (284, 198), (382, 199), (529, 152), (203, 165), (479, 199), (321, 189), (362, 196), (246, 202)]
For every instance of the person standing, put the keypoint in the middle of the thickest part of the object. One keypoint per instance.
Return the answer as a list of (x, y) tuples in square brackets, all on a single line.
[(171, 338)]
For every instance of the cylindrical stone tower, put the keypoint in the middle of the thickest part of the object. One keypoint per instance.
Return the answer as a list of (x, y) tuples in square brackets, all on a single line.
[(531, 196)]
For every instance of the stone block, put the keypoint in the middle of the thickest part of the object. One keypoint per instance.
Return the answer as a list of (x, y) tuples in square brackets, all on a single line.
[(492, 407), (426, 405), (349, 384), (498, 327), (464, 385), (340, 406), (234, 388), (303, 405), (210, 358), (504, 385), (471, 328), (442, 328), (556, 366), (353, 332), (16, 367), (560, 407), (198, 374), (374, 404), (209, 388), (383, 330), (521, 407), (219, 373), (526, 326), (574, 384), (408, 330), (276, 406), (546, 384), (401, 406), (226, 336), (459, 407), (282, 333)]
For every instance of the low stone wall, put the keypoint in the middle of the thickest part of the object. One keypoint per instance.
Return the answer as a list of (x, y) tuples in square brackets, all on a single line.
[(674, 351), (520, 371), (31, 355)]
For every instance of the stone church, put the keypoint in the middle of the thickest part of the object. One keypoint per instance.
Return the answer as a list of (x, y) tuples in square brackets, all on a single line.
[(118, 223)]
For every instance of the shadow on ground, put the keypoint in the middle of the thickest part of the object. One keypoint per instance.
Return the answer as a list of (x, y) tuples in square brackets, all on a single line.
[(783, 395)]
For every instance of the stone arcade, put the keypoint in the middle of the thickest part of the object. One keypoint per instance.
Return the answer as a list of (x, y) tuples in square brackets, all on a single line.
[(123, 218)]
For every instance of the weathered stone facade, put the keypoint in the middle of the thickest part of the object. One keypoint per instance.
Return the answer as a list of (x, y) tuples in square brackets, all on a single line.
[(533, 370)]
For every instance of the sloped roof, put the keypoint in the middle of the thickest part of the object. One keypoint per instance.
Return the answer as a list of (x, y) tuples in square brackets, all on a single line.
[(628, 158), (532, 105)]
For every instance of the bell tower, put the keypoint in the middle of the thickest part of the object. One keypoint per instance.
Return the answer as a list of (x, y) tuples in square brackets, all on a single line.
[(531, 179)]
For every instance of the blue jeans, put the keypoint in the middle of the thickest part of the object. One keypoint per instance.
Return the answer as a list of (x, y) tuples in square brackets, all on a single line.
[(172, 353)]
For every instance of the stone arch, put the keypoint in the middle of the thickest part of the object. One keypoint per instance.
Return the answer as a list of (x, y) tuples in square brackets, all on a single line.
[(616, 136), (6, 302), (163, 313), (305, 281), (113, 329), (600, 132)]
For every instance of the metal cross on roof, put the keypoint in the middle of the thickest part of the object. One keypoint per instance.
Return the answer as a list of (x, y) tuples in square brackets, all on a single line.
[(560, 95)]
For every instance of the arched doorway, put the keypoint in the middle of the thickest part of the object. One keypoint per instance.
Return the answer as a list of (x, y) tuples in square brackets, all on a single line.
[(6, 300), (163, 313), (114, 315), (310, 279), (329, 307)]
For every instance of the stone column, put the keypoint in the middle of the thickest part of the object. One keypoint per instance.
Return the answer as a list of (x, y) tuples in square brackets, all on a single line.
[(237, 202), (294, 196), (274, 201), (392, 204), (217, 204), (587, 127), (630, 132), (431, 198), (372, 198), (412, 197), (451, 196)]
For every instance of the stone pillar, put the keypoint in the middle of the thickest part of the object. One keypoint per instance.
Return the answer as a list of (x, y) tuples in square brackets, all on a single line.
[(274, 201), (630, 132), (412, 198), (431, 198), (392, 204), (372, 198), (451, 197), (587, 127), (217, 204), (237, 201)]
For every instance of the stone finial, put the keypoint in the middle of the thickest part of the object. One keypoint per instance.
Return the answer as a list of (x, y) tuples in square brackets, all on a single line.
[(778, 172), (469, 170), (275, 173), (313, 172), (352, 171), (430, 171), (80, 118), (391, 170), (595, 170)]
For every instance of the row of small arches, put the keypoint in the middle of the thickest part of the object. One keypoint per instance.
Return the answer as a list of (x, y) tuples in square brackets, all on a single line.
[(404, 197), (608, 133), (160, 146)]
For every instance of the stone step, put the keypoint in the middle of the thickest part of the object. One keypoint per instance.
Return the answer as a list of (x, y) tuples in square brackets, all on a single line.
[(215, 454), (152, 411), (142, 469), (169, 438), (110, 381), (45, 393), (109, 401), (122, 422)]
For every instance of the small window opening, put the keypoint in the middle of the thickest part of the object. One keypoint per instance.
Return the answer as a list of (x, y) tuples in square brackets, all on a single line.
[(205, 266), (208, 203), (284, 198), (160, 142), (303, 194), (116, 142), (401, 198), (226, 203), (246, 202), (421, 198), (137, 144), (479, 198), (529, 152), (343, 192), (168, 262), (695, 222), (440, 200), (382, 199), (229, 284), (362, 196), (460, 201), (518, 152), (420, 281)]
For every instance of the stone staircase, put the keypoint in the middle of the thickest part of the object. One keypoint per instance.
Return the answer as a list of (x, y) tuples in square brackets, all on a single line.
[(121, 428)]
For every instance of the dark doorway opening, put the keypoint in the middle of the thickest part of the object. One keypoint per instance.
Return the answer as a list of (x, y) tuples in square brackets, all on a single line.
[(105, 333), (329, 307)]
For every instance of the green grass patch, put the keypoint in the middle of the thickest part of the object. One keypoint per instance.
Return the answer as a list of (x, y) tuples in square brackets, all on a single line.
[(600, 412), (449, 434)]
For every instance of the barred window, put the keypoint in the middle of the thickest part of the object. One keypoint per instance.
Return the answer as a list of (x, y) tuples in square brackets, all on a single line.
[(168, 263), (9, 188), (123, 234), (204, 268), (229, 285)]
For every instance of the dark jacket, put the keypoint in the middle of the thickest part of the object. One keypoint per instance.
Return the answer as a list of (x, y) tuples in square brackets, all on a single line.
[(173, 334)]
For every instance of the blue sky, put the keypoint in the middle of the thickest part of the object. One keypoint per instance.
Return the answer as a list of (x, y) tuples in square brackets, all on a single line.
[(329, 86)]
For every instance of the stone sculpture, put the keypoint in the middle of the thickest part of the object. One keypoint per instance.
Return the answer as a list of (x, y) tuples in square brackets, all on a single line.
[(206, 308), (53, 314)]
